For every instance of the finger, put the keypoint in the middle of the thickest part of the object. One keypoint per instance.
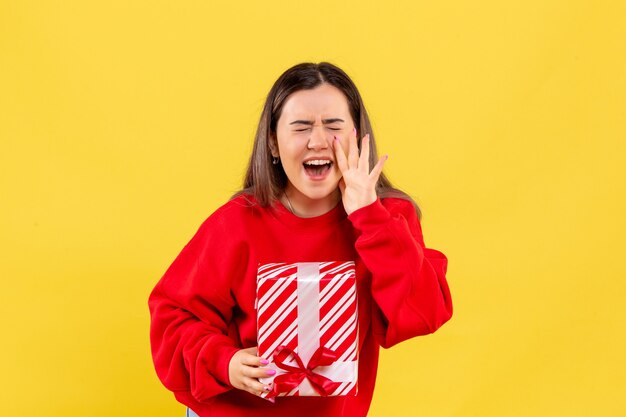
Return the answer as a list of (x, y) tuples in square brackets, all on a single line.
[(378, 168), (254, 386), (253, 360), (340, 155), (251, 350), (254, 372), (364, 164), (353, 151), (259, 372)]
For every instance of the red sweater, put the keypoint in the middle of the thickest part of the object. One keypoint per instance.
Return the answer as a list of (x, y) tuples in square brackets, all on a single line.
[(203, 311)]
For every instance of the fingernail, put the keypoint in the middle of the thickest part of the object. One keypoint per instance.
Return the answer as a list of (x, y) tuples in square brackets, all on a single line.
[(264, 361), (270, 372), (354, 130), (386, 157)]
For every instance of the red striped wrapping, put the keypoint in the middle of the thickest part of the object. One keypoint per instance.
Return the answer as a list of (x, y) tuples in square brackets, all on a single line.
[(305, 307)]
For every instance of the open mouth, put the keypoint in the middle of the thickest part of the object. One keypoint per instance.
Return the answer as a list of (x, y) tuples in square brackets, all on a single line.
[(317, 167)]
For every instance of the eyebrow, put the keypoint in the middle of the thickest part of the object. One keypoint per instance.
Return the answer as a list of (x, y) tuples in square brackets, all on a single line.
[(309, 122)]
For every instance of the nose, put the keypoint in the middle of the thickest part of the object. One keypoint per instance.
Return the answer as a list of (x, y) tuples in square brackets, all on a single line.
[(318, 139)]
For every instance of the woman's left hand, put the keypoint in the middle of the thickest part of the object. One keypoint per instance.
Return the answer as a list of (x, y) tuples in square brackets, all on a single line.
[(358, 184)]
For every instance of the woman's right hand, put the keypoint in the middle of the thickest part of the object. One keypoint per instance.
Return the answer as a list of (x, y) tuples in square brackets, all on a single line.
[(244, 371)]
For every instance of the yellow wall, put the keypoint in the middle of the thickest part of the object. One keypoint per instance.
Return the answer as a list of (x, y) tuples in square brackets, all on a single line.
[(123, 124)]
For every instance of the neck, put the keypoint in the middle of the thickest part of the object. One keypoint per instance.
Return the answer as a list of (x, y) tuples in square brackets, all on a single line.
[(302, 206)]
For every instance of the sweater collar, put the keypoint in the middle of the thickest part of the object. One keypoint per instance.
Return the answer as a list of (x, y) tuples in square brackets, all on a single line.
[(335, 216)]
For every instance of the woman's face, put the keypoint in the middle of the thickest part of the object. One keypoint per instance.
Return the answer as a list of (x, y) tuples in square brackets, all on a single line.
[(304, 135)]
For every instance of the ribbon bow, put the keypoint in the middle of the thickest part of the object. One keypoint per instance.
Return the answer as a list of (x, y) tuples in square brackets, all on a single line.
[(296, 374)]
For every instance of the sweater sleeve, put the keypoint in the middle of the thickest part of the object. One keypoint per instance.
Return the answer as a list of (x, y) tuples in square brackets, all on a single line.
[(191, 308), (409, 287)]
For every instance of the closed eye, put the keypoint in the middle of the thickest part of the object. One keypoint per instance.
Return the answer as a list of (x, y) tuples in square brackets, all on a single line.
[(308, 128)]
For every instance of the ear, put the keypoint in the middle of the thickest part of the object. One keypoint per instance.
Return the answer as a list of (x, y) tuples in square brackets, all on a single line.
[(273, 145)]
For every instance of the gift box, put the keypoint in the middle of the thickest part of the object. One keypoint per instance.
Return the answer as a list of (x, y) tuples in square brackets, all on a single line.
[(307, 328)]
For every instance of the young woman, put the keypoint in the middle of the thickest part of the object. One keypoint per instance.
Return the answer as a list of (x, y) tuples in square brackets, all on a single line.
[(314, 191)]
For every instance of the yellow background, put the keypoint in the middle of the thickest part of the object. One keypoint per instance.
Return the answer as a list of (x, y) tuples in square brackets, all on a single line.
[(124, 124)]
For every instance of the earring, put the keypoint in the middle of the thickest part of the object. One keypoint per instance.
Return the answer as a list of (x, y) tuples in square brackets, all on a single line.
[(275, 160)]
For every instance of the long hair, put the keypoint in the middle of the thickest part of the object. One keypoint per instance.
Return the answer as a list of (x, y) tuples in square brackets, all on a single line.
[(266, 181)]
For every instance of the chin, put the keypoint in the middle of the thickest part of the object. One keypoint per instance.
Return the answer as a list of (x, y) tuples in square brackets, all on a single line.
[(319, 193)]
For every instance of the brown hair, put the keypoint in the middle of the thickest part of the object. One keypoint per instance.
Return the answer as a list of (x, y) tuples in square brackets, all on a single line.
[(266, 181)]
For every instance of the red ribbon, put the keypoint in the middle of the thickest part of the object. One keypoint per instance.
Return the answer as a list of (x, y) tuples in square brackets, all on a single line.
[(296, 374)]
